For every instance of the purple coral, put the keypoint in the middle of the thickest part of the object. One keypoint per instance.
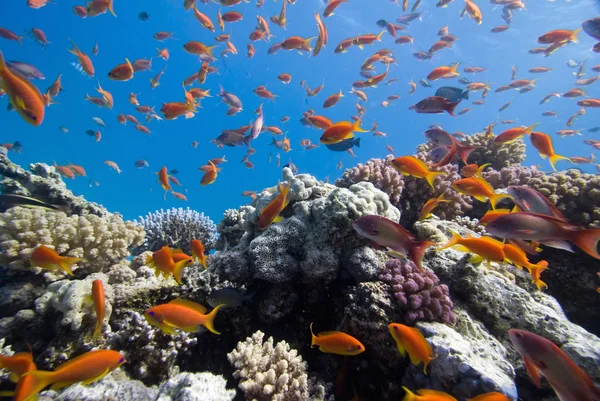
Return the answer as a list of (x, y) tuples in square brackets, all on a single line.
[(419, 294)]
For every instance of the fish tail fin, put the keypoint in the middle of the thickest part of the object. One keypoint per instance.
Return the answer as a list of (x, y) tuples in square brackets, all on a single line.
[(97, 336), (313, 337), (307, 41), (573, 37), (409, 396), (455, 67), (20, 40), (555, 158), (452, 107), (481, 168), (209, 50), (454, 240), (66, 264), (75, 49), (111, 8), (380, 35), (2, 63), (495, 198), (178, 269), (356, 127), (41, 379), (417, 251), (430, 177), (530, 129), (464, 151), (587, 240), (210, 319)]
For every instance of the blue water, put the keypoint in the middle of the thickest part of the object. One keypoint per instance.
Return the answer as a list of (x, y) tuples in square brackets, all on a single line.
[(135, 192)]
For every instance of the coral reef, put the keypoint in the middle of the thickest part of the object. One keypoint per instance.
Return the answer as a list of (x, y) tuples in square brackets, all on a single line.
[(44, 183), (378, 172), (268, 372), (498, 156), (101, 241), (176, 228), (420, 294)]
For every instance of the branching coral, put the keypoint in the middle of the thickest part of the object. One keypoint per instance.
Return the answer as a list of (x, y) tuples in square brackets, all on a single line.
[(176, 228), (101, 241), (267, 372), (420, 294)]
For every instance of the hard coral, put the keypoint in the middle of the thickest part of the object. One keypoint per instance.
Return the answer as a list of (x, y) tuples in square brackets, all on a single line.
[(267, 372), (420, 294), (498, 156), (101, 241), (176, 228), (378, 172)]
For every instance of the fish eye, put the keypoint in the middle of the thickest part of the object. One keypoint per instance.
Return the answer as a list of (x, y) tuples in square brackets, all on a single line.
[(518, 335), (121, 360), (359, 347), (151, 313)]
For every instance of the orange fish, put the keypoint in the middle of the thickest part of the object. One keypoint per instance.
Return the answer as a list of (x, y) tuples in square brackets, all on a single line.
[(480, 189), (198, 252), (517, 257), (99, 306), (210, 175), (181, 314), (203, 19), (24, 96), (87, 368), (430, 205), (270, 213), (163, 262), (513, 134), (122, 72), (339, 131), (331, 6), (107, 96), (84, 59), (18, 364), (48, 258), (473, 170), (319, 122), (543, 144), (427, 395), (336, 342), (445, 71), (492, 215), (163, 178), (485, 248), (164, 53), (410, 165), (411, 340), (333, 99), (559, 35), (113, 165), (543, 357), (56, 87), (198, 48), (297, 43), (474, 11)]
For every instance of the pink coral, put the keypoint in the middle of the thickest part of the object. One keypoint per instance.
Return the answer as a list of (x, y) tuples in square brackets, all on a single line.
[(380, 174), (419, 294)]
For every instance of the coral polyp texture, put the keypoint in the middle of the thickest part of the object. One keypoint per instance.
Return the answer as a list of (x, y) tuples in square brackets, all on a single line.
[(419, 293), (176, 227), (101, 241)]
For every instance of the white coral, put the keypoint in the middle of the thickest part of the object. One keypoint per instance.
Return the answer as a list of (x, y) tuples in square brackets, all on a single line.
[(101, 241), (267, 372)]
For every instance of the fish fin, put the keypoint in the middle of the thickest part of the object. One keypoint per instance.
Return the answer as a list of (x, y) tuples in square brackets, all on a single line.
[(178, 270), (415, 360), (417, 251), (409, 396), (555, 158), (435, 394), (573, 37), (99, 377), (66, 264), (41, 380), (210, 319), (430, 177), (533, 372), (168, 328), (13, 377), (313, 337), (189, 304), (356, 127), (7, 393), (361, 47), (475, 259), (494, 199), (59, 385), (191, 329), (452, 242), (2, 63), (97, 336), (278, 219), (530, 129), (564, 245), (452, 107), (588, 240), (464, 151), (480, 198)]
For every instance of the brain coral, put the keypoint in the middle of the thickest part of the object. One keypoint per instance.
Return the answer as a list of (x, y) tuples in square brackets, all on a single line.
[(101, 241), (420, 294), (176, 228)]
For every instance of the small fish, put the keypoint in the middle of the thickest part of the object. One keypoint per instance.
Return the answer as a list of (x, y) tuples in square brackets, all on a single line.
[(113, 165), (336, 342), (516, 256), (182, 314), (543, 357), (8, 201), (100, 122), (430, 205), (427, 395), (86, 368), (410, 165), (99, 305), (344, 145), (452, 94), (271, 213), (545, 230), (24, 96), (93, 184), (49, 259), (512, 134), (228, 296), (484, 248), (410, 340), (529, 200), (340, 131), (198, 253), (84, 59), (122, 72), (143, 16), (387, 233), (543, 144), (435, 105), (478, 188)]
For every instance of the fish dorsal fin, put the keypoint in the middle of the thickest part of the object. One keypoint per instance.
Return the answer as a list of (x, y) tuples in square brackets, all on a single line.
[(189, 304), (329, 333), (533, 372), (439, 394)]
